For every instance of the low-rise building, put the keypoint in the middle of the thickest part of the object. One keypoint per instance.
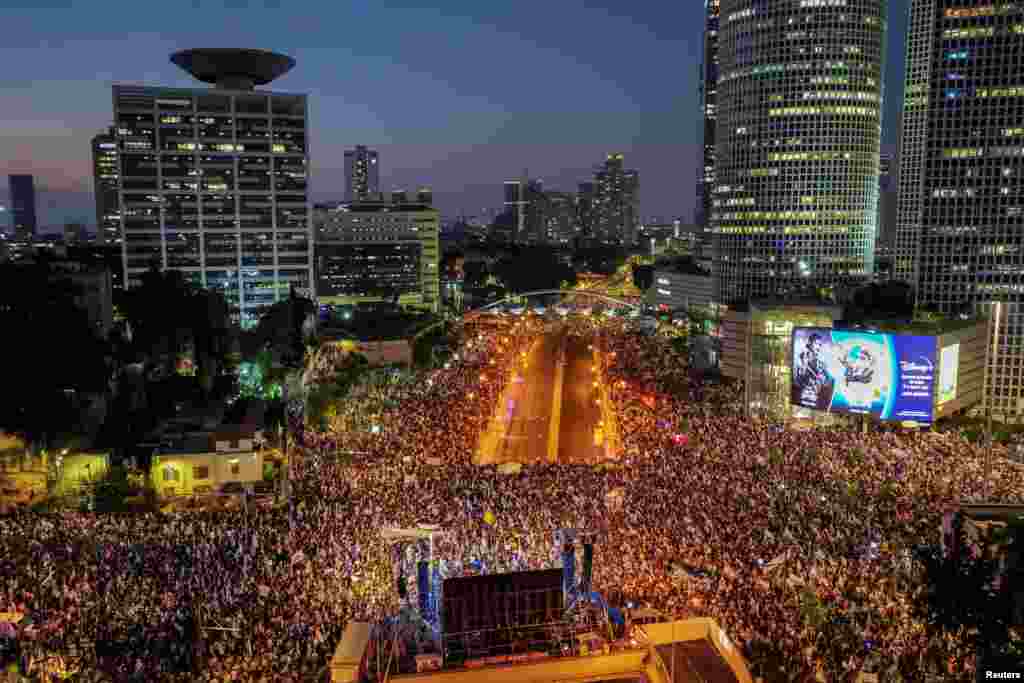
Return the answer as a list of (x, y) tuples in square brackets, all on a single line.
[(681, 286), (206, 463)]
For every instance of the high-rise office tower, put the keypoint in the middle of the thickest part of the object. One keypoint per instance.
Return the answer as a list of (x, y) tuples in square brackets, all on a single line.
[(960, 225), (23, 206), (616, 204), (213, 182), (797, 144), (105, 171), (362, 175), (709, 99)]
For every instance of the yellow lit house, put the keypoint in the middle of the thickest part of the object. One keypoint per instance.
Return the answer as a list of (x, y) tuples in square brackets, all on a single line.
[(206, 463)]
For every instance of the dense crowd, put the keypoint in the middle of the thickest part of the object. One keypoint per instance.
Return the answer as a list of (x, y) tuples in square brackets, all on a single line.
[(757, 515)]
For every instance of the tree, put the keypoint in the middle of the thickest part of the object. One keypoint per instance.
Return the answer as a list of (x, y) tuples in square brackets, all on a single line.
[(643, 277), (283, 330), (322, 398), (962, 594), (52, 355), (531, 269), (167, 312), (112, 491)]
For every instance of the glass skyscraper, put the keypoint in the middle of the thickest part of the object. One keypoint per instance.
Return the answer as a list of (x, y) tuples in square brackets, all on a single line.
[(960, 217), (797, 144), (214, 182), (709, 113)]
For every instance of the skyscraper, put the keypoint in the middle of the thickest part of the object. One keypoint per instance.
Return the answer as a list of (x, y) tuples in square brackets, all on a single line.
[(960, 226), (616, 203), (797, 144), (362, 176), (105, 171), (23, 206), (213, 181), (525, 200), (585, 208), (709, 99)]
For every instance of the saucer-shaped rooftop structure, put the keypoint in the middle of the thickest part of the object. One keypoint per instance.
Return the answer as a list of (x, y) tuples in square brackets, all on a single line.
[(233, 68)]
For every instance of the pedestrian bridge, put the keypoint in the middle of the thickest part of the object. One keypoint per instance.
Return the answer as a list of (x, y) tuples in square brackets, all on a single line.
[(513, 299)]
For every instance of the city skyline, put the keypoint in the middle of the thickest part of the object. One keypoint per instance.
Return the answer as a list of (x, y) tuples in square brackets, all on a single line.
[(470, 129)]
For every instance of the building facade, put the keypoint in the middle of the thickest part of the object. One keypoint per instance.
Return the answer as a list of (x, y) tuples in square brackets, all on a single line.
[(960, 226), (524, 199), (709, 103), (379, 249), (887, 202), (677, 290), (616, 202), (214, 183), (362, 174), (585, 208), (23, 206), (106, 167), (797, 144), (559, 217)]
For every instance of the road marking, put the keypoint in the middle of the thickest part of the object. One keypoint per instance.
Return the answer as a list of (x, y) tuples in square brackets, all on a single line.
[(556, 409)]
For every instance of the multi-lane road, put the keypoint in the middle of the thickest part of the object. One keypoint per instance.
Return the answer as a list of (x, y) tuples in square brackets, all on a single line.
[(550, 409)]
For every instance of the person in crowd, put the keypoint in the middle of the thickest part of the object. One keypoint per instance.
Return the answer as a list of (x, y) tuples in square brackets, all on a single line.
[(215, 596)]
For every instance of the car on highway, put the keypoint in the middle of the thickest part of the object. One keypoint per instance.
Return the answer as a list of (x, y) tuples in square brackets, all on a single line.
[(587, 310), (540, 310), (516, 310), (562, 310)]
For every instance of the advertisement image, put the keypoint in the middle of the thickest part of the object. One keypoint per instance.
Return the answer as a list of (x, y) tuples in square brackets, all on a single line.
[(890, 377), (949, 364)]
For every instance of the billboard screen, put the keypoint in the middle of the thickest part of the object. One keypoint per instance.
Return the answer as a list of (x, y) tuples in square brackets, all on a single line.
[(949, 364), (889, 376)]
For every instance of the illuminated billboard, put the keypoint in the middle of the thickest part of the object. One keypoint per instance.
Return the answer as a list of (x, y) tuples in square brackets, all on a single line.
[(889, 376), (949, 365)]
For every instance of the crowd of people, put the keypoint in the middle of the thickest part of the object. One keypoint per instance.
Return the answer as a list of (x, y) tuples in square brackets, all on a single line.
[(759, 516)]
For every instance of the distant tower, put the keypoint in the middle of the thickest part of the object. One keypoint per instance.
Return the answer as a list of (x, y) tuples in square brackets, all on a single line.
[(709, 104), (105, 171), (362, 174), (616, 207), (213, 181), (23, 206)]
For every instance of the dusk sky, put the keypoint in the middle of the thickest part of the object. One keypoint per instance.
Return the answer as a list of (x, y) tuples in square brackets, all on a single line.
[(460, 98)]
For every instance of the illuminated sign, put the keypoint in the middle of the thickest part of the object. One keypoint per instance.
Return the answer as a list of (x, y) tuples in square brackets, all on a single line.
[(949, 366), (663, 281), (889, 376)]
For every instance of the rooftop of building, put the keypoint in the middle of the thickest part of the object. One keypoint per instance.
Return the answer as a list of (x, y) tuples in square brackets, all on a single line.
[(682, 266), (197, 428), (233, 68), (922, 327)]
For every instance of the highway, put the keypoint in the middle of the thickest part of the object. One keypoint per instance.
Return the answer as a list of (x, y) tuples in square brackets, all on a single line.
[(549, 410)]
